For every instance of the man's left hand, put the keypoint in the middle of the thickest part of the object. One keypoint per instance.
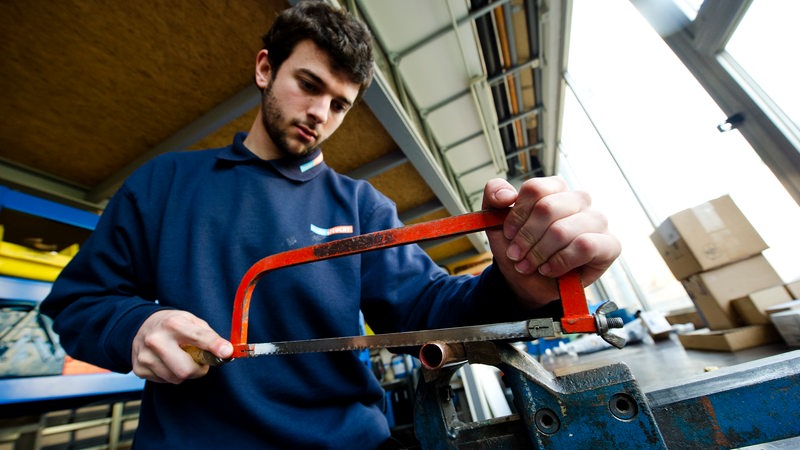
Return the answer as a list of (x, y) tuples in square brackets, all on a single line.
[(549, 231)]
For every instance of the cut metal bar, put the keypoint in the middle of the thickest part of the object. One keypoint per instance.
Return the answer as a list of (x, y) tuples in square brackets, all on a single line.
[(508, 331)]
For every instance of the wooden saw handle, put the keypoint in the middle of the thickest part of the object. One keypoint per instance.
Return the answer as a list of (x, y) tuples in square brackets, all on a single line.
[(203, 357)]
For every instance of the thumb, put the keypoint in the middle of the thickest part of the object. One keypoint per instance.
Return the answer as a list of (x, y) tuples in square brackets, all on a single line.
[(217, 353), (498, 193), (222, 348)]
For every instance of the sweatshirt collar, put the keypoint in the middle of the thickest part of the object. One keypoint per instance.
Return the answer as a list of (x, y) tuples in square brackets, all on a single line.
[(302, 169)]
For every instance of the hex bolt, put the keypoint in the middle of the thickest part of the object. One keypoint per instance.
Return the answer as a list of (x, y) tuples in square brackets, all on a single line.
[(623, 407), (547, 421)]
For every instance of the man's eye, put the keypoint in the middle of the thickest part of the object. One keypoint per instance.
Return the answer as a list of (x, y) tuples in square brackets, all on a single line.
[(307, 85), (339, 107)]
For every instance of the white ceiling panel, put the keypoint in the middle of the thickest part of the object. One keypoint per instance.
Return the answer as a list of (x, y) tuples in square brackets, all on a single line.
[(475, 181), (438, 71), (404, 23), (469, 155), (434, 51), (438, 66), (455, 121)]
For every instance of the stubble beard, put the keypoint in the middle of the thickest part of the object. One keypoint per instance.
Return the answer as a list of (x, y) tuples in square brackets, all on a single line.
[(272, 117)]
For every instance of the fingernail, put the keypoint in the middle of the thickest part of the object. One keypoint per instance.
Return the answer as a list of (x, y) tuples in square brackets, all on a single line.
[(513, 252), (509, 232), (227, 349), (523, 266), (505, 195), (545, 269)]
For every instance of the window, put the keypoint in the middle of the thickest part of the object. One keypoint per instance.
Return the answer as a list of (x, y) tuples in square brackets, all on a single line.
[(640, 134), (758, 46), (689, 7)]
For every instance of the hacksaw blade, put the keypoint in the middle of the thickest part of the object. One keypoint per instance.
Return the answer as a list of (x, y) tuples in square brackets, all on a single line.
[(504, 332)]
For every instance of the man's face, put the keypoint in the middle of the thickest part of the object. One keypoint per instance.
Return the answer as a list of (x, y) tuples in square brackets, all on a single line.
[(305, 101)]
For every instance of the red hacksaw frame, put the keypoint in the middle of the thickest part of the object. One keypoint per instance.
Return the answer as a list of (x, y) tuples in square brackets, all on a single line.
[(576, 313)]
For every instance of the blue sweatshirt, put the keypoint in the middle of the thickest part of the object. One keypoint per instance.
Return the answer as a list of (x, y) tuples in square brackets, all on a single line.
[(182, 231)]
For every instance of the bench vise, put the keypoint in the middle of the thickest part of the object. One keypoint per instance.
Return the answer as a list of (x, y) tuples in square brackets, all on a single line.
[(603, 407)]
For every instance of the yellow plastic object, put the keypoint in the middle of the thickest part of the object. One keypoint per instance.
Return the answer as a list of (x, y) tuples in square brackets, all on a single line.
[(23, 262)]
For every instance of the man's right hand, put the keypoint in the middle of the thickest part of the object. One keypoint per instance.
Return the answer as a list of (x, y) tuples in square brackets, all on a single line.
[(157, 353)]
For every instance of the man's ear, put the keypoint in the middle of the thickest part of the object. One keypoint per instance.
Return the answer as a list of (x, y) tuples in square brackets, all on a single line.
[(263, 73)]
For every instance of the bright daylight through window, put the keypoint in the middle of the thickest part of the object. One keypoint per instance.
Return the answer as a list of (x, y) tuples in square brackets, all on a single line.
[(640, 134), (768, 22)]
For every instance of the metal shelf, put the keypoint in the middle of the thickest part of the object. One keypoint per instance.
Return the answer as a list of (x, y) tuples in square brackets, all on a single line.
[(38, 395), (22, 289), (47, 209)]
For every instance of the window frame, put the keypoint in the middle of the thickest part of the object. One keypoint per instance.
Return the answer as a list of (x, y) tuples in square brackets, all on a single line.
[(700, 45)]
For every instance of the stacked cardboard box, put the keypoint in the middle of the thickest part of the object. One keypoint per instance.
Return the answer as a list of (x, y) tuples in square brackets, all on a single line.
[(715, 291), (716, 254), (786, 316), (685, 315), (794, 289), (752, 308)]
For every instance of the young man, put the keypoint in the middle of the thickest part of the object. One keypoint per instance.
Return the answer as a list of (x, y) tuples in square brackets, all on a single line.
[(160, 270)]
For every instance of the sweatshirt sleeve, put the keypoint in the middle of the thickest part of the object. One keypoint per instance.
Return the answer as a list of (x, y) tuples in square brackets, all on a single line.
[(106, 292), (403, 289)]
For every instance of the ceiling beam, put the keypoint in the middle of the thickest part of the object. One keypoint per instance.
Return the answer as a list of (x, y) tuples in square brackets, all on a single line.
[(523, 115), (554, 28), (500, 76), (397, 56), (410, 215), (383, 164), (388, 110), (45, 185)]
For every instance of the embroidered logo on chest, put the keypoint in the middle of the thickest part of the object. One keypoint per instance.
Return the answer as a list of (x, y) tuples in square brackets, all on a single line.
[(340, 229)]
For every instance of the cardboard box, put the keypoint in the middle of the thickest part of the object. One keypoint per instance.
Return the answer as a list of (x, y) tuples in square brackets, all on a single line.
[(781, 307), (656, 324), (686, 315), (794, 289), (788, 325), (705, 237), (730, 340), (712, 291), (752, 308)]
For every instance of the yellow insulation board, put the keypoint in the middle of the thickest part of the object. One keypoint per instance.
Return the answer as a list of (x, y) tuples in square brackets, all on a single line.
[(23, 262)]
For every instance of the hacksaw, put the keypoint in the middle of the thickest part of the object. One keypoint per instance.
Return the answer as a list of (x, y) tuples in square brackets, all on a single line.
[(576, 317)]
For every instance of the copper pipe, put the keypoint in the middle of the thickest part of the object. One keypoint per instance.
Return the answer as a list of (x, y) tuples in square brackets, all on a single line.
[(435, 355)]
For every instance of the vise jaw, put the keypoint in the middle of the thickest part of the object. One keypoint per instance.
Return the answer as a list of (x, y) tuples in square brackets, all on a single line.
[(599, 407)]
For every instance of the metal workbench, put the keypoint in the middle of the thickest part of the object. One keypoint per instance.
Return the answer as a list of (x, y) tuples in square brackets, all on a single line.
[(666, 362), (647, 395)]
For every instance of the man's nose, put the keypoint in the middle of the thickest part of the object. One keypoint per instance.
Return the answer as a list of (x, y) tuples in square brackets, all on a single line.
[(319, 108)]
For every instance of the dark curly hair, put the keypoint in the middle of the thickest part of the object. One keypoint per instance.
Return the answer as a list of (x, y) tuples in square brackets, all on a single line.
[(345, 39)]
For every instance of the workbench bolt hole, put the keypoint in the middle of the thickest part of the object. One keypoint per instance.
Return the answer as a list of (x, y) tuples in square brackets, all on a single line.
[(546, 421), (623, 407)]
